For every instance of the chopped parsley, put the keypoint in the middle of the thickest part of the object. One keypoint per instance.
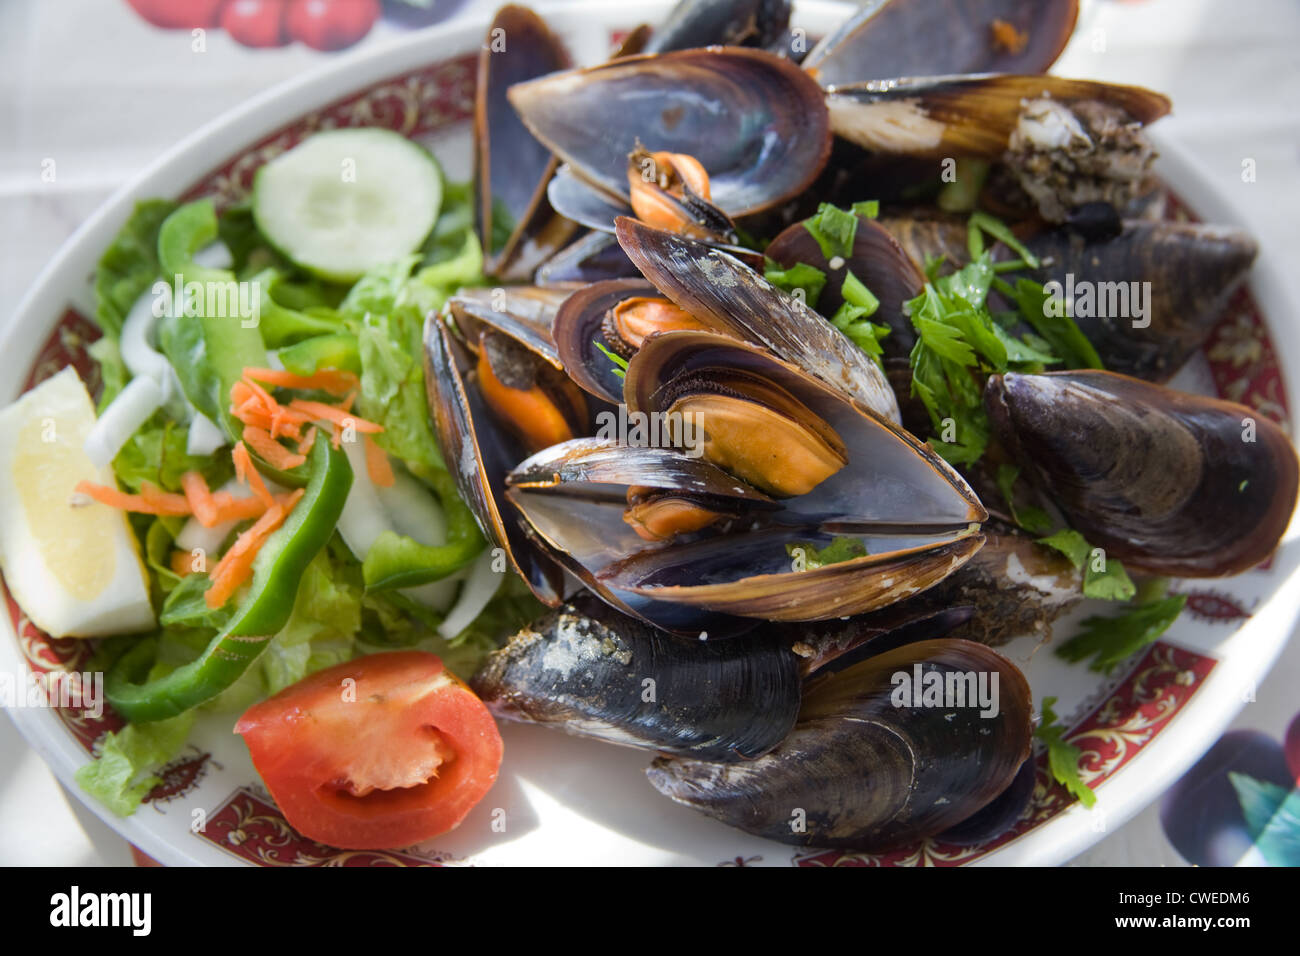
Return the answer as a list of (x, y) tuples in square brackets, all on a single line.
[(799, 276), (834, 229), (1109, 641), (1029, 517), (620, 363), (851, 317), (1063, 757), (1110, 582), (840, 549)]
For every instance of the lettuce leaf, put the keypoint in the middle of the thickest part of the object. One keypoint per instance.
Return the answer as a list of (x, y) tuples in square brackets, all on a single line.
[(156, 453), (127, 761), (129, 266)]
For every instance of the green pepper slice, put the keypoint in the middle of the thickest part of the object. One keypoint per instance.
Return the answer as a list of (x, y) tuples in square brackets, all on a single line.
[(264, 611), (396, 561)]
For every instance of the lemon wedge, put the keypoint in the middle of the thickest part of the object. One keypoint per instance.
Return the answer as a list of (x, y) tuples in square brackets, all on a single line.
[(72, 565)]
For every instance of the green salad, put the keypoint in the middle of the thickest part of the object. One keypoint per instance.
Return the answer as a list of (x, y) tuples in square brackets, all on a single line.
[(287, 328)]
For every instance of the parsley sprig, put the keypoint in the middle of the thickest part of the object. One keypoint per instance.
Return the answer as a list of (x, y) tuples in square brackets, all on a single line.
[(1062, 756)]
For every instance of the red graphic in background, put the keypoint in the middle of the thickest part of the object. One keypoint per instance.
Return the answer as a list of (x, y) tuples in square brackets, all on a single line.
[(325, 25)]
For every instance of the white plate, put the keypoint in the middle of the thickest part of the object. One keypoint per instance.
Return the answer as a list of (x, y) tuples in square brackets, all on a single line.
[(564, 800)]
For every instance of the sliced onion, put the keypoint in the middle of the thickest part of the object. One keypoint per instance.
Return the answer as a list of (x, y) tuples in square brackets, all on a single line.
[(204, 438), (138, 354), (214, 256), (413, 510), (195, 535), (363, 518), (131, 409), (474, 596)]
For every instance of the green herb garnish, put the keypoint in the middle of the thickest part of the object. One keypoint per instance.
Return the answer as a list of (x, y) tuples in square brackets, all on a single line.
[(1109, 582), (1063, 757), (1111, 640), (799, 276), (620, 363), (834, 229), (839, 550), (1031, 518)]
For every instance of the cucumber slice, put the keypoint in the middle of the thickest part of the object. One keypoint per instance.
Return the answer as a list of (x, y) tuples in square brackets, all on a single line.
[(344, 201)]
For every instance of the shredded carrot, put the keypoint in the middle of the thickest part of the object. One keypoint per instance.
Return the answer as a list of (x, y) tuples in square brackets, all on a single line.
[(377, 464), (267, 401), (247, 473), (200, 499), (334, 381), (308, 440), (236, 565), (330, 413), (150, 501), (275, 454), (232, 508), (182, 563)]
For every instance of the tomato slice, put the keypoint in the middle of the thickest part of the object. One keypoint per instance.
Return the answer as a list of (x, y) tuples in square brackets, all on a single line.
[(377, 753)]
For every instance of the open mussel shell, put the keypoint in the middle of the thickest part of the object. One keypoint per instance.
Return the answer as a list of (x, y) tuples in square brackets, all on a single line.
[(593, 258), (731, 298), (479, 455), (592, 672), (755, 122), (922, 38), (603, 467), (580, 326), (1190, 272), (590, 320), (869, 766), (1169, 483), (890, 479), (525, 313), (939, 116), (585, 535), (750, 575), (574, 500), (877, 261), (511, 168)]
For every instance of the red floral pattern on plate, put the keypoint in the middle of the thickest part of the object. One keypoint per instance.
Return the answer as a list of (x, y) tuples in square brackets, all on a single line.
[(250, 827), (1241, 358)]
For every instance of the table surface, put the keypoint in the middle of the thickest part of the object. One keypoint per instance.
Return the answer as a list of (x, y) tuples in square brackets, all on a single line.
[(90, 86)]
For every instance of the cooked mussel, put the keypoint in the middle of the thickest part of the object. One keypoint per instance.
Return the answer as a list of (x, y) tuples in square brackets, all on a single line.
[(615, 316), (865, 767), (919, 38), (755, 122), (728, 297), (939, 116), (590, 671), (838, 469), (513, 217), (1168, 482)]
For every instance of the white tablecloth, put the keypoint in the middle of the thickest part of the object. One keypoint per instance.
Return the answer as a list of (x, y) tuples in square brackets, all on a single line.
[(89, 85)]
